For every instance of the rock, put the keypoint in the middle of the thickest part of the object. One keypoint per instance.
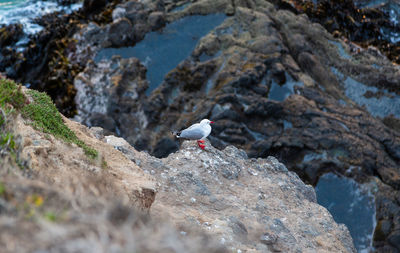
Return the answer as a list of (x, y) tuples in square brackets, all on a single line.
[(382, 230), (10, 34), (65, 162), (53, 186), (93, 35), (231, 75), (118, 13), (263, 204), (137, 16), (165, 147), (347, 19), (43, 63), (112, 92), (90, 6), (156, 20), (394, 239), (140, 31), (99, 119), (249, 52), (191, 201), (121, 33)]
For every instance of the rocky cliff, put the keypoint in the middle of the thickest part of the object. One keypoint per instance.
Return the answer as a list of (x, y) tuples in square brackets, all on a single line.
[(299, 80), (275, 82), (54, 197)]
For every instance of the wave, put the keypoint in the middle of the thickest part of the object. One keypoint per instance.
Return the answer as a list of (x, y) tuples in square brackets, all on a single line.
[(25, 11)]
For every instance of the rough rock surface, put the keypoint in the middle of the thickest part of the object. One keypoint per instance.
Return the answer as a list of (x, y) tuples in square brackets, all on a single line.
[(111, 91), (53, 198), (251, 205), (258, 48), (67, 167), (10, 34), (315, 130)]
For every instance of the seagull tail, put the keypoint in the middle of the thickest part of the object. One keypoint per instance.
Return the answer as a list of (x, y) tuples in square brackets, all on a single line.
[(177, 134)]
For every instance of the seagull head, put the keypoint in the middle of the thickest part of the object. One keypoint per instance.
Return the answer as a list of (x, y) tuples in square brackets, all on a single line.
[(206, 121)]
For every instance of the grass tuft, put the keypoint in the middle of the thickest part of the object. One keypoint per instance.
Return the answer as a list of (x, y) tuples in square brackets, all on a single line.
[(50, 216), (11, 94), (2, 189), (7, 140), (46, 118), (42, 112)]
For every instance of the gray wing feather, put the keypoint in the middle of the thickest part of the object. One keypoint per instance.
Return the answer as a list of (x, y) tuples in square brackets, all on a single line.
[(193, 126), (192, 133)]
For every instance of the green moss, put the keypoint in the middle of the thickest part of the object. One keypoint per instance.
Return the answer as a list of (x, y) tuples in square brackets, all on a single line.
[(11, 94), (7, 140), (46, 118), (43, 114), (50, 216), (2, 189), (2, 119), (104, 165)]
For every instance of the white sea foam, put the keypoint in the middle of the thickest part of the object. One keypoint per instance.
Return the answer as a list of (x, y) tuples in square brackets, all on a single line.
[(25, 11)]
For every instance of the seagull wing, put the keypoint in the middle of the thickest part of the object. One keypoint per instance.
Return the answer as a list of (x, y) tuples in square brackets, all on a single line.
[(193, 126), (192, 133)]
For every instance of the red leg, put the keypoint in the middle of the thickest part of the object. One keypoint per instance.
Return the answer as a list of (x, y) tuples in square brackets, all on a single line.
[(202, 146), (201, 141)]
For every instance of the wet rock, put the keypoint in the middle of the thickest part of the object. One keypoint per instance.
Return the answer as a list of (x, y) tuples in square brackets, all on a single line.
[(118, 13), (265, 108), (99, 119), (44, 65), (394, 239), (136, 16), (382, 230), (140, 31), (123, 83), (355, 20), (313, 67), (278, 73), (156, 20), (393, 149), (91, 6), (165, 147), (10, 34), (121, 33)]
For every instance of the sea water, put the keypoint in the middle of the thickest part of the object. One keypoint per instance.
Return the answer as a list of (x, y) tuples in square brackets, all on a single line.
[(25, 11), (162, 51), (351, 204)]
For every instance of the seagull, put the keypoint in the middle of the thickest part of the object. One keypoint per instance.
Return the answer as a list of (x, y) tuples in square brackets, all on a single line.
[(198, 131)]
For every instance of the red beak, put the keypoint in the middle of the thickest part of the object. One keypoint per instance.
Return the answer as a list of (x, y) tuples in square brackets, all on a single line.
[(211, 122)]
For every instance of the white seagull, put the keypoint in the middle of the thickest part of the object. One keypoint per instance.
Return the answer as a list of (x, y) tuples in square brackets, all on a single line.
[(198, 131)]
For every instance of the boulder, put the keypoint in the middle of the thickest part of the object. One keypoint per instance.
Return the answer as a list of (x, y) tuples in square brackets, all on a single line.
[(120, 33), (156, 20), (249, 205)]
